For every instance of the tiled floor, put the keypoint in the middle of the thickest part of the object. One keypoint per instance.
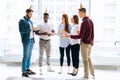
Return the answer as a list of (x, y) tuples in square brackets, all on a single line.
[(15, 71)]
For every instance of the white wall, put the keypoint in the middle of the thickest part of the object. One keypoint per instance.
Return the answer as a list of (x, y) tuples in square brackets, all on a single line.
[(3, 17), (106, 17), (105, 14)]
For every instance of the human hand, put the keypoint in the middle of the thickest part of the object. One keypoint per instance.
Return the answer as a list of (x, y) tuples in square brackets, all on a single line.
[(35, 29), (52, 31), (78, 31), (45, 33), (65, 36), (63, 32), (52, 34)]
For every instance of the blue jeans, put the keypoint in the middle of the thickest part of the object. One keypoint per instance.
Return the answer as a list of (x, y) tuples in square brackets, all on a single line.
[(27, 52)]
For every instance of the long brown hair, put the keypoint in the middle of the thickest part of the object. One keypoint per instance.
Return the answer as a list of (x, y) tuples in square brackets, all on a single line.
[(76, 19), (66, 28)]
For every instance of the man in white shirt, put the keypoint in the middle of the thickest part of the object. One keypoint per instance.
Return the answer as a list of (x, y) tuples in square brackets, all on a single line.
[(45, 31)]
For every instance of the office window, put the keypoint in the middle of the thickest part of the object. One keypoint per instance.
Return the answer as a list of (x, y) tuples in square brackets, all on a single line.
[(55, 9), (15, 10)]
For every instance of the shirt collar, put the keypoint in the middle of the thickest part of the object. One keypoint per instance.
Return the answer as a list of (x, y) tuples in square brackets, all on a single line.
[(45, 22), (84, 18), (26, 18)]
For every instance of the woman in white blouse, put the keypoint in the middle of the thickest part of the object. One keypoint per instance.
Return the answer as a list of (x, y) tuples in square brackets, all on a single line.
[(75, 44)]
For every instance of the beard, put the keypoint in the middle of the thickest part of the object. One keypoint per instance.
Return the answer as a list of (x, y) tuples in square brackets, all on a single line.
[(28, 16)]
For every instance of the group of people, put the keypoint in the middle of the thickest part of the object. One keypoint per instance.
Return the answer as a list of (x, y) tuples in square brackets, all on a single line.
[(67, 44), (71, 38)]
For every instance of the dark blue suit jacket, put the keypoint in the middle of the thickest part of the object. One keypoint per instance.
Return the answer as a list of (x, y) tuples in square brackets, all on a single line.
[(24, 29)]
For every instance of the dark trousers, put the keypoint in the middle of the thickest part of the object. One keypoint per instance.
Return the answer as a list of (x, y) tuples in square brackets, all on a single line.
[(67, 49), (75, 55)]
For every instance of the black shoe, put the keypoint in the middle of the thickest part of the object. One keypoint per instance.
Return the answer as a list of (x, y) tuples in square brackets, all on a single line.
[(74, 74), (70, 73), (30, 72), (25, 74)]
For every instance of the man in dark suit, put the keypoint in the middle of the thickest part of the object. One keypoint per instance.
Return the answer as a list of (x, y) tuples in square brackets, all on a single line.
[(27, 38)]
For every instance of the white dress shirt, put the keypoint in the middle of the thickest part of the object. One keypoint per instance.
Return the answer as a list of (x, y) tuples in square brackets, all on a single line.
[(45, 27), (31, 32), (74, 32)]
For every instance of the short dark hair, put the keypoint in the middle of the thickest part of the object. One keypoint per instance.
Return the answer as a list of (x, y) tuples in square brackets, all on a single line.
[(46, 14), (76, 19), (29, 10), (82, 10)]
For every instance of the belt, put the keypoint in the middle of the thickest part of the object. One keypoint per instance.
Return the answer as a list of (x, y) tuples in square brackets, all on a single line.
[(44, 39)]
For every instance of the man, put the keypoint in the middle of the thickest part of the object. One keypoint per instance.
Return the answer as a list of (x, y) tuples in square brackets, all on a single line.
[(45, 31), (27, 38), (87, 38)]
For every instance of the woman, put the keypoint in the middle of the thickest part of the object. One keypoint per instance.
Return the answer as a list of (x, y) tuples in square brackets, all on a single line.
[(63, 28), (75, 44)]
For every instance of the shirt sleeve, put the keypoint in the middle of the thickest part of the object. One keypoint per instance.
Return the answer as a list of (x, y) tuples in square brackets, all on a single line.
[(59, 30), (77, 27), (69, 31), (52, 27), (38, 26), (82, 31)]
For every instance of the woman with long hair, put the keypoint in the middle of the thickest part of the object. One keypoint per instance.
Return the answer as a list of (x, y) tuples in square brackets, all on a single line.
[(75, 44), (63, 28)]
